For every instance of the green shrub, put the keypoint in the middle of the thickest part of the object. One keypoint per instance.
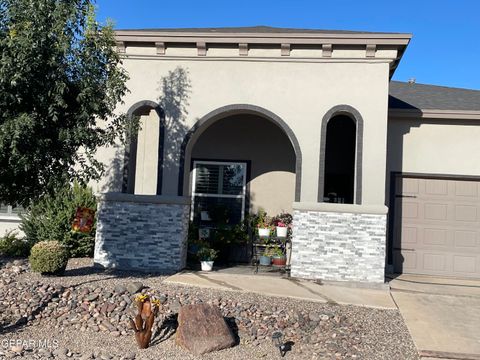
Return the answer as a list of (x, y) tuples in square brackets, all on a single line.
[(207, 254), (52, 216), (48, 257), (12, 245)]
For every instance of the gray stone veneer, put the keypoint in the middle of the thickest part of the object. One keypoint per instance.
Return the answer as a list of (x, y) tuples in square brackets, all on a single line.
[(142, 232), (338, 246)]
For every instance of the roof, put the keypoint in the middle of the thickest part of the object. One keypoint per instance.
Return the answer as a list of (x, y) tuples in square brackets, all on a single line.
[(413, 96), (258, 29)]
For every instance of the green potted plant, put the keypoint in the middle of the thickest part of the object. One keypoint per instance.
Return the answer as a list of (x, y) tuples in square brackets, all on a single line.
[(207, 256), (278, 256), (263, 224)]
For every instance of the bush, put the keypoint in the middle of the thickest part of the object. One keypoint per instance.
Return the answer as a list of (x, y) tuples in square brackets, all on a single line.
[(48, 257), (11, 245), (207, 254), (52, 216)]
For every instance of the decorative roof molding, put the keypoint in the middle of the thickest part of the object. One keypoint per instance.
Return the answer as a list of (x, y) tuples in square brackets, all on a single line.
[(371, 50), (121, 47), (269, 36), (243, 49), (327, 50), (160, 48), (201, 48), (285, 50), (434, 114)]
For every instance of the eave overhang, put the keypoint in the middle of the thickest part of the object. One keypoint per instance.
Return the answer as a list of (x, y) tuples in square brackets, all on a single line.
[(327, 41)]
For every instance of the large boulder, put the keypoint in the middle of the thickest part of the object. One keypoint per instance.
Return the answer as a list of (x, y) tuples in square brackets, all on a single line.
[(202, 329)]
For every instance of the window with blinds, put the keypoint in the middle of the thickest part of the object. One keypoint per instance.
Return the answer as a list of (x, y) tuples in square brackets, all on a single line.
[(216, 185)]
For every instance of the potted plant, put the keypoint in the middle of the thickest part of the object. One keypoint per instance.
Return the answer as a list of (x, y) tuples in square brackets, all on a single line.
[(263, 224), (207, 256), (278, 256), (265, 259), (283, 223), (282, 229)]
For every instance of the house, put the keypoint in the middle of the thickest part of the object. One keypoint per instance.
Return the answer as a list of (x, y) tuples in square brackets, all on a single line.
[(380, 175)]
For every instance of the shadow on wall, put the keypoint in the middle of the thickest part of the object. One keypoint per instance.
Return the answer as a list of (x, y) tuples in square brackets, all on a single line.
[(114, 171), (396, 132), (175, 89)]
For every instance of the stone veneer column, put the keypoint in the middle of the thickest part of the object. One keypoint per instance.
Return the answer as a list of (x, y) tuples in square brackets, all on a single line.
[(339, 242), (142, 232)]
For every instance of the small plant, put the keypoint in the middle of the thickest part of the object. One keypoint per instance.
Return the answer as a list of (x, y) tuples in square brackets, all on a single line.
[(274, 251), (48, 257), (262, 220), (283, 220), (11, 245), (207, 254), (147, 310)]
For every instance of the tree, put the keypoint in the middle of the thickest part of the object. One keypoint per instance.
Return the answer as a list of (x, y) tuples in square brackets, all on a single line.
[(60, 82)]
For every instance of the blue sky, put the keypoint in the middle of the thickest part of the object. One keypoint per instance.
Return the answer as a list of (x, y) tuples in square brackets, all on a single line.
[(445, 49)]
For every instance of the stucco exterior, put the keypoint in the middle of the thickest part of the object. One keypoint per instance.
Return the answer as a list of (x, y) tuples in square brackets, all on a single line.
[(364, 86), (434, 146)]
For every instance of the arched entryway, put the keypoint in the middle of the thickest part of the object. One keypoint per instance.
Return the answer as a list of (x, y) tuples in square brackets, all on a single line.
[(238, 160), (340, 170), (224, 112), (142, 171)]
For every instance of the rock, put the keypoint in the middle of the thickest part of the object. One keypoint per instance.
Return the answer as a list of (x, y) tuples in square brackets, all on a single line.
[(120, 289), (134, 287), (92, 297), (129, 356), (202, 329), (45, 353), (60, 352)]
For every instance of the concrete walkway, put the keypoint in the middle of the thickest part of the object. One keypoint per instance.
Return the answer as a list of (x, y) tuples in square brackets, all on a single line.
[(442, 315), (287, 287)]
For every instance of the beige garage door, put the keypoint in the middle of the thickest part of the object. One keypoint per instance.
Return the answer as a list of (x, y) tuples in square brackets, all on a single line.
[(436, 226)]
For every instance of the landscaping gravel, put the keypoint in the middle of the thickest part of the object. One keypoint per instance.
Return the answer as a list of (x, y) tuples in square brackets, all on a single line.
[(84, 315)]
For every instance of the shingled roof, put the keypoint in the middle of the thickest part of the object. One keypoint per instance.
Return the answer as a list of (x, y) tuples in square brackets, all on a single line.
[(413, 96)]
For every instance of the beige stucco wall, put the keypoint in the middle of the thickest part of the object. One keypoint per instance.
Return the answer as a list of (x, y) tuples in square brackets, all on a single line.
[(271, 156), (299, 92), (147, 154), (434, 146), (441, 146)]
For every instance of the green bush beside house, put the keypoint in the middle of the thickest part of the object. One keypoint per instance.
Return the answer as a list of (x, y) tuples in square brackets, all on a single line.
[(51, 218)]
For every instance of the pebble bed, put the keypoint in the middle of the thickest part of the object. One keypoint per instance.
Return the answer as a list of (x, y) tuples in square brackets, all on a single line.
[(86, 316)]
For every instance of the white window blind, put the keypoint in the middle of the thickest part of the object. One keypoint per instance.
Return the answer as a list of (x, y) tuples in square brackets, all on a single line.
[(217, 183)]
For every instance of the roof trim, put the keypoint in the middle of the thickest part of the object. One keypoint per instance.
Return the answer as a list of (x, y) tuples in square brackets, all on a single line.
[(434, 114), (276, 36), (263, 35)]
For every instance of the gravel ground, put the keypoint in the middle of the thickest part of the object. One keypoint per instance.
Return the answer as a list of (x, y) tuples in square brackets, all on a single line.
[(317, 331)]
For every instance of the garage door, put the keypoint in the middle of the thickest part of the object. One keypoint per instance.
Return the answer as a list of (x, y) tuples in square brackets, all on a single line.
[(436, 226)]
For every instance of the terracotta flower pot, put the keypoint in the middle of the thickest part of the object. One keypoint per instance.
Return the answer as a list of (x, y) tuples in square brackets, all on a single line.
[(279, 260)]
